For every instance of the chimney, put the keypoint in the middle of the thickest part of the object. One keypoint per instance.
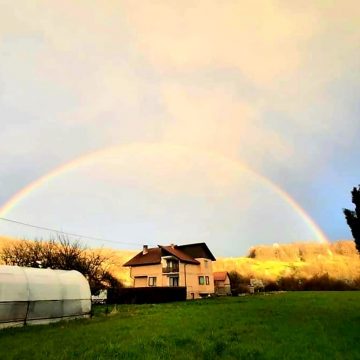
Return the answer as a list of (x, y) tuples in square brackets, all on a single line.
[(172, 245), (145, 249)]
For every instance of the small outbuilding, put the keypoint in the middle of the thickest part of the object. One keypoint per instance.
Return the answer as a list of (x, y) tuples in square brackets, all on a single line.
[(41, 296), (222, 283)]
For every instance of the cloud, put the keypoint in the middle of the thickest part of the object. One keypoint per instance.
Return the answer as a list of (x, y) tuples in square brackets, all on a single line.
[(285, 59), (218, 120), (266, 40), (263, 40)]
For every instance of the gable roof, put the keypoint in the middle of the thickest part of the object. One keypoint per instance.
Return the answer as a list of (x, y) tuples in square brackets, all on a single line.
[(185, 253), (220, 275), (198, 250), (182, 256), (153, 256)]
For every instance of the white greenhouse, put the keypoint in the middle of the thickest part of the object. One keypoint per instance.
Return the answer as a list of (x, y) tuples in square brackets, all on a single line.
[(41, 296)]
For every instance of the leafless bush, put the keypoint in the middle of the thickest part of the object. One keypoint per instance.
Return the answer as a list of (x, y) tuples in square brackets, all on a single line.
[(61, 253)]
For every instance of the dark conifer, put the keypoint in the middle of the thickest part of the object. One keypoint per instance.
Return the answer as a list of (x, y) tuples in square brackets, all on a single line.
[(353, 217)]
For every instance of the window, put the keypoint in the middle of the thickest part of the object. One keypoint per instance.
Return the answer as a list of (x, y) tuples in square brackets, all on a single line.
[(207, 280), (206, 264), (201, 280), (171, 266), (174, 281), (152, 281)]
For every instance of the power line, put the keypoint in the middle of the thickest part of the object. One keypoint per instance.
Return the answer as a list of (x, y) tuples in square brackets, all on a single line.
[(67, 233)]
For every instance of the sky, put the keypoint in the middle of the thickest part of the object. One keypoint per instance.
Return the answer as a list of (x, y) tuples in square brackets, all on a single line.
[(203, 116)]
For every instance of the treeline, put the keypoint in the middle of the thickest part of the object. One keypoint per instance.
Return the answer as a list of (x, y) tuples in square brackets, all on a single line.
[(323, 282), (62, 254), (306, 252)]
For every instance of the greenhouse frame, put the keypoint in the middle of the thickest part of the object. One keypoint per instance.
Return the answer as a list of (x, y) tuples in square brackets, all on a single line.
[(40, 296)]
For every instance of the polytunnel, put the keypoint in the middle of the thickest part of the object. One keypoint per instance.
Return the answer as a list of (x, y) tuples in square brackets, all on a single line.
[(41, 296)]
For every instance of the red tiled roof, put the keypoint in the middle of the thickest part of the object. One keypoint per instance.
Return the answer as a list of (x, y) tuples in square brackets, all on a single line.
[(220, 275), (185, 253), (153, 256)]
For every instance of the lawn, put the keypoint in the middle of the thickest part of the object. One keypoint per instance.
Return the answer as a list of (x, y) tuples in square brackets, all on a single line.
[(302, 325)]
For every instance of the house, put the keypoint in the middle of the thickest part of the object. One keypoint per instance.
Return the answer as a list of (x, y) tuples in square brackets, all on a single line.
[(175, 265), (222, 283)]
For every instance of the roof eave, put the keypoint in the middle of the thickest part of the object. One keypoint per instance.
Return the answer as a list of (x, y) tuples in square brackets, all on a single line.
[(142, 264), (211, 256), (195, 262)]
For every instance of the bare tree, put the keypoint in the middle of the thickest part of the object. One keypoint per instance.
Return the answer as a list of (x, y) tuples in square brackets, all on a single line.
[(61, 253)]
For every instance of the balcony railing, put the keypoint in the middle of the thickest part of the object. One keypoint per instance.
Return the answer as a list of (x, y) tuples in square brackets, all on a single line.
[(170, 269)]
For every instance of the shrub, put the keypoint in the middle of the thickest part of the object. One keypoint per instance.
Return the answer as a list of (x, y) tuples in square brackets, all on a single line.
[(271, 286), (317, 283), (64, 255), (238, 283)]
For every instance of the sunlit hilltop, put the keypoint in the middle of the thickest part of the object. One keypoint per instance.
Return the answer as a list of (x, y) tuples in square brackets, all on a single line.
[(339, 260)]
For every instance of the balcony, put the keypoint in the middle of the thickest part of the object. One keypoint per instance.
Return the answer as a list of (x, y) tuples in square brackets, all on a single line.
[(170, 269)]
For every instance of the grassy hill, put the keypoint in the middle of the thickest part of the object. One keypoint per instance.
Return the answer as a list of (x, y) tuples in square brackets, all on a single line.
[(339, 260)]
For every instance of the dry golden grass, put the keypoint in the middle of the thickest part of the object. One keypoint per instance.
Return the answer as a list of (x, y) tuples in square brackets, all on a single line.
[(339, 260)]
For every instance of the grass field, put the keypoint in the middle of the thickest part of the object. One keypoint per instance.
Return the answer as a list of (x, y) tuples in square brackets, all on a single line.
[(307, 325)]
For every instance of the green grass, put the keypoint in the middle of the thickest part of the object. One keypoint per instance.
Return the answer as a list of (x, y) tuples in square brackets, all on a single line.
[(308, 325)]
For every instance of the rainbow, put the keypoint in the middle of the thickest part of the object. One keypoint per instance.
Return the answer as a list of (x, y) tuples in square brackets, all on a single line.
[(96, 155)]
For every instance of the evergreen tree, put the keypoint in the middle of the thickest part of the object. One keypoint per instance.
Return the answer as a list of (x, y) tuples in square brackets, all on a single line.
[(353, 217)]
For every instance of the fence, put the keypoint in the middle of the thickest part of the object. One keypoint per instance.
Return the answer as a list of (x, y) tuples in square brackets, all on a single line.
[(146, 295)]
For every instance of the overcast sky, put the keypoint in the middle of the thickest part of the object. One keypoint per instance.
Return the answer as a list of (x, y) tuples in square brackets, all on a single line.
[(271, 85)]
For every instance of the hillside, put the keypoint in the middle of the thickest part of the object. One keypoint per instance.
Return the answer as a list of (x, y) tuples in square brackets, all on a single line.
[(339, 260)]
